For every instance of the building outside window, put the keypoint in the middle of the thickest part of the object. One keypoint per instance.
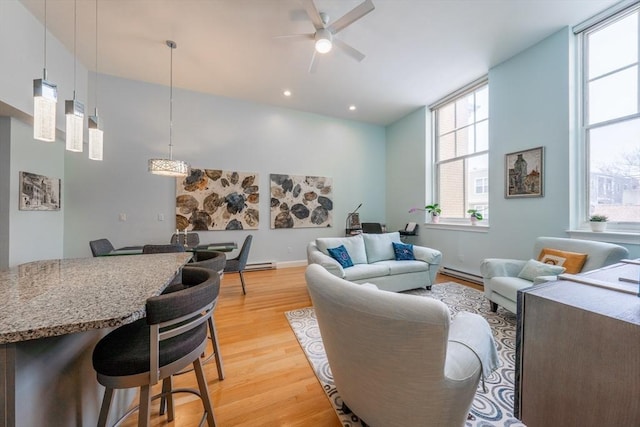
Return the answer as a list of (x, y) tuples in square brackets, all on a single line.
[(461, 135), (611, 119)]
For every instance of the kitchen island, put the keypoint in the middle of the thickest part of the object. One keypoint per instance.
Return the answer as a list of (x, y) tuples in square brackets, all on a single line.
[(52, 313)]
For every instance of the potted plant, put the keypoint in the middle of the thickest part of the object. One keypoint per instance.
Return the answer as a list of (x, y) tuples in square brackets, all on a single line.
[(475, 216), (598, 222), (435, 211)]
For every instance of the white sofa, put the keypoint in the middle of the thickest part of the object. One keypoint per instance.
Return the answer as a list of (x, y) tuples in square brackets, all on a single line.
[(375, 262), (501, 276)]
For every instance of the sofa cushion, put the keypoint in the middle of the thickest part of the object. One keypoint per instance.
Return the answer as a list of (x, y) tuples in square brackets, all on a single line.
[(403, 251), (341, 255), (533, 269), (571, 261), (509, 286), (401, 267), (353, 244), (379, 247), (365, 271)]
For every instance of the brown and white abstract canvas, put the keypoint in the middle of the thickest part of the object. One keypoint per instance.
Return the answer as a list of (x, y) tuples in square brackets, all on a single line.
[(301, 201), (213, 199)]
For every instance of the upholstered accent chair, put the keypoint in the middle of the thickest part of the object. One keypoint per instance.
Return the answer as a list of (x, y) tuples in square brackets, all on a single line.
[(399, 357), (503, 278), (100, 247), (239, 263)]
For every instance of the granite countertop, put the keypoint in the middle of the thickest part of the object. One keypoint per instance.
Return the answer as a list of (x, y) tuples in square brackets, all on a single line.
[(57, 297)]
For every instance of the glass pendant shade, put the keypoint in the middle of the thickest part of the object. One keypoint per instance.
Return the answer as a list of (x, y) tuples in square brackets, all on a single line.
[(95, 138), (169, 167), (45, 97), (74, 111)]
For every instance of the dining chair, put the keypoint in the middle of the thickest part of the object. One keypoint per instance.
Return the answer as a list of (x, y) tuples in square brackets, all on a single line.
[(239, 263), (172, 336), (193, 239), (100, 247)]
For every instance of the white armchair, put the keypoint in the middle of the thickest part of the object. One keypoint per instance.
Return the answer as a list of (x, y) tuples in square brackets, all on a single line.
[(500, 276), (400, 357)]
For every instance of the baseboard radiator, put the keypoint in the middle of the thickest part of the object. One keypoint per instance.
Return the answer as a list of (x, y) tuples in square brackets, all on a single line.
[(461, 275), (261, 266)]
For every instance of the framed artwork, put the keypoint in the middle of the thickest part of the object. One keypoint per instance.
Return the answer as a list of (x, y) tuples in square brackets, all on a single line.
[(39, 192), (524, 173), (213, 199), (299, 201)]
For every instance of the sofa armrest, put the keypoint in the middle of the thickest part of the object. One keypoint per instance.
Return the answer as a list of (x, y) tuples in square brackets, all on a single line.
[(500, 267), (316, 256), (470, 331), (544, 279), (428, 255)]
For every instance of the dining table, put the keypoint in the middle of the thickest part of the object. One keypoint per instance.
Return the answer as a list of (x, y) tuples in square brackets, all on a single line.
[(209, 247), (48, 311)]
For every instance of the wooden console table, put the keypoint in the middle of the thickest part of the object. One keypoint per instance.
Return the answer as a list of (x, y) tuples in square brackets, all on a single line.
[(578, 350)]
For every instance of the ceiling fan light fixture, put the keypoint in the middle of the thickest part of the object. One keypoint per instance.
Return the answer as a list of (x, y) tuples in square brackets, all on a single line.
[(323, 41)]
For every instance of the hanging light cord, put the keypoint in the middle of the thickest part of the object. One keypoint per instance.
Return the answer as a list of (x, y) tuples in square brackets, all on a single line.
[(45, 40), (172, 46), (96, 94), (75, 58)]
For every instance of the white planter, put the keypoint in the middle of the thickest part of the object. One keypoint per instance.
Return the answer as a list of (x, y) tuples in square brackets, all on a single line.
[(598, 226), (474, 220), (435, 219)]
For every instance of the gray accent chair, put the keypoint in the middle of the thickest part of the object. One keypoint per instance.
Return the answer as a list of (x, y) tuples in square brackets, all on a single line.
[(100, 247), (396, 358), (500, 275), (172, 336), (239, 263)]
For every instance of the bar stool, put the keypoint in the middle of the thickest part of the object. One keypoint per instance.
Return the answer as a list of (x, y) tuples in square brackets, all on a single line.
[(172, 336)]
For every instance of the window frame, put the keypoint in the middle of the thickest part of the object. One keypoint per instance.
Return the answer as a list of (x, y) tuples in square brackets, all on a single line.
[(452, 98), (583, 183)]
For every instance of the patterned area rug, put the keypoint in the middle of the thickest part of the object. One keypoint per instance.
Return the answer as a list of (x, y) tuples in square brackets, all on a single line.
[(490, 409)]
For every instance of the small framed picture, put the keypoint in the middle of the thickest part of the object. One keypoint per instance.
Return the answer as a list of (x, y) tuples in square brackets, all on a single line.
[(39, 192), (524, 173)]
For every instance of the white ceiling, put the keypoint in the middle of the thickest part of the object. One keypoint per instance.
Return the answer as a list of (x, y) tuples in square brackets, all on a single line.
[(417, 50)]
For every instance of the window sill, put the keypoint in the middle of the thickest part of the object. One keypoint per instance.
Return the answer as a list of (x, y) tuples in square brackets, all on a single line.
[(457, 227), (606, 236)]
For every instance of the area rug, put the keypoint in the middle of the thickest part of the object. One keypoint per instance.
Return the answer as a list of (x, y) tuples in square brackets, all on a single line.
[(493, 408)]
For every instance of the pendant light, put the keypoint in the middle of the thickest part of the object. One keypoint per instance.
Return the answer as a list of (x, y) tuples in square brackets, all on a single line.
[(45, 96), (170, 167), (73, 108), (95, 125)]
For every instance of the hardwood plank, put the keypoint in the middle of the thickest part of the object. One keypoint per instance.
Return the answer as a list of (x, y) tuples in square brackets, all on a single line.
[(268, 380)]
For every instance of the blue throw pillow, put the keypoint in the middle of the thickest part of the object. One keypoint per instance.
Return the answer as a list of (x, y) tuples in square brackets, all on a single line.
[(341, 255), (404, 252)]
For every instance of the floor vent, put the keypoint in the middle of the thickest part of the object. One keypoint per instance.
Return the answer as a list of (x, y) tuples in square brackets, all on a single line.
[(260, 266), (462, 275)]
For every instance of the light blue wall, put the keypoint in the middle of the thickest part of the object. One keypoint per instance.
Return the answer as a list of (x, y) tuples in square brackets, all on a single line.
[(531, 102)]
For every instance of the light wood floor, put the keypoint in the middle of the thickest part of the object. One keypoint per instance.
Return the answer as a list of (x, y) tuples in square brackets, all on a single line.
[(268, 380)]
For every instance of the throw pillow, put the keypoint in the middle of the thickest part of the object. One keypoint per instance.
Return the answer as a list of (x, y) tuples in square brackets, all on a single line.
[(533, 269), (571, 261), (404, 252), (341, 255)]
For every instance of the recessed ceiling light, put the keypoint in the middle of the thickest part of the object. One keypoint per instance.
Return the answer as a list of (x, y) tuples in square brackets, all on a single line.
[(352, 108), (286, 92)]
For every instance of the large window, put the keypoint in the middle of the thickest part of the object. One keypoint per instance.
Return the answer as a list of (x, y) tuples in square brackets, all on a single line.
[(611, 119), (461, 131)]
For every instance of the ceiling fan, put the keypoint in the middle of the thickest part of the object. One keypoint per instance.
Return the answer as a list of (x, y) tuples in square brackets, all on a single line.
[(326, 30)]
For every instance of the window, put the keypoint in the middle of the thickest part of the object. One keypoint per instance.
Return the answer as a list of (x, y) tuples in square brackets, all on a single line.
[(461, 135), (611, 119)]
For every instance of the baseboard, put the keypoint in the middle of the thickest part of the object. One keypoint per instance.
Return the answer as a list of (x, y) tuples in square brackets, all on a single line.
[(470, 277), (291, 264), (272, 265)]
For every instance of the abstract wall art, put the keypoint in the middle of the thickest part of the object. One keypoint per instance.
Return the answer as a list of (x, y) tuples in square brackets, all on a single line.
[(39, 193), (301, 201), (213, 199)]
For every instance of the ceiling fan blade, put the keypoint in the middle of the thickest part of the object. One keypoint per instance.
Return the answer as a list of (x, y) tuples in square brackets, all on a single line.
[(353, 15), (313, 13), (313, 64), (349, 50), (308, 36)]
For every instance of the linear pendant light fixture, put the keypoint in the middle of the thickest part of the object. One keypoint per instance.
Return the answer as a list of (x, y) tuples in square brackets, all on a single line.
[(95, 125), (170, 167), (73, 109), (45, 97)]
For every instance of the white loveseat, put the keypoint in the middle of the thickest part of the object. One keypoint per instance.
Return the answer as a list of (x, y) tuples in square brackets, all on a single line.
[(375, 262)]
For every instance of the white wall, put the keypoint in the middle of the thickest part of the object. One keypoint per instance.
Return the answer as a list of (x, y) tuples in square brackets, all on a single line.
[(5, 190)]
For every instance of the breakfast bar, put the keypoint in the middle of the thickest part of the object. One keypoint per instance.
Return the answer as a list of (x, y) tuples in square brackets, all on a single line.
[(51, 313)]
